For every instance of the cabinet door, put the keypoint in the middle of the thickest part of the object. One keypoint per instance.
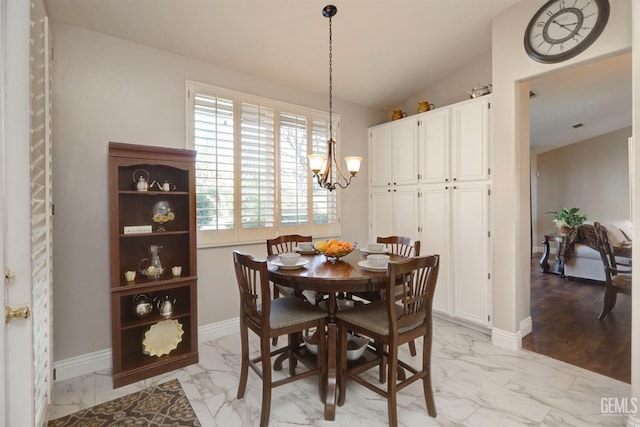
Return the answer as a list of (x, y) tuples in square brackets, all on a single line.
[(380, 216), (435, 239), (435, 139), (470, 251), (405, 212), (470, 140), (380, 165), (404, 146)]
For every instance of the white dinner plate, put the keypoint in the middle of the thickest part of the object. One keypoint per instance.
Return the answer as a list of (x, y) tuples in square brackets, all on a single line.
[(298, 264), (303, 251), (368, 251), (366, 266)]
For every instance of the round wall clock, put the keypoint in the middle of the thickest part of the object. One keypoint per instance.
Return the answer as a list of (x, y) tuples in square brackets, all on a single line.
[(561, 29)]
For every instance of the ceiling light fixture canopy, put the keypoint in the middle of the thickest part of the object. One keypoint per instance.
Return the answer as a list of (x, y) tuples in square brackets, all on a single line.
[(325, 168)]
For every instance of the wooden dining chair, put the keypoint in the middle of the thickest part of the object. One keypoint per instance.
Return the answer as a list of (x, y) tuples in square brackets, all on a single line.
[(617, 278), (269, 318), (400, 245), (279, 245), (393, 321)]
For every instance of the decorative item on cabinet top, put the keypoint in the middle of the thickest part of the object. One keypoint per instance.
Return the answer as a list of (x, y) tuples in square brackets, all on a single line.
[(425, 106), (141, 178), (479, 91), (398, 114)]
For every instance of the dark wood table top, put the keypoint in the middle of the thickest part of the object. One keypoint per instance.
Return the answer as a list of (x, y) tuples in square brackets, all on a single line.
[(344, 275)]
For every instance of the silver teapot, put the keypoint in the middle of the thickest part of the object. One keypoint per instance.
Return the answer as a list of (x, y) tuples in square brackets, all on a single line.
[(141, 183), (143, 305), (165, 306)]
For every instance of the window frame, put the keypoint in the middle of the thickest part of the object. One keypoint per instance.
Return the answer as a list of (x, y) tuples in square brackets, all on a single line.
[(239, 235)]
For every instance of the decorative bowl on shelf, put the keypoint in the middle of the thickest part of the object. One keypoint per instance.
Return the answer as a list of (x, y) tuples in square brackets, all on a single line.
[(334, 249), (152, 272), (162, 213), (162, 338)]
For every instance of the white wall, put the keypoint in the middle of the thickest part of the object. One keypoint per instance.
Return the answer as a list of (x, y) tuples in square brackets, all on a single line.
[(107, 89)]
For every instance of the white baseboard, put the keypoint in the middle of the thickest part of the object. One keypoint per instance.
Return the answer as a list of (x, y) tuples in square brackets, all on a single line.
[(101, 360), (526, 326), (506, 339), (82, 365)]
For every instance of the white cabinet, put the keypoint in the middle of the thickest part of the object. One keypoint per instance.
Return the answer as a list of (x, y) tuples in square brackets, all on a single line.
[(454, 221), (454, 142), (393, 211), (393, 172), (454, 206), (442, 156), (393, 150)]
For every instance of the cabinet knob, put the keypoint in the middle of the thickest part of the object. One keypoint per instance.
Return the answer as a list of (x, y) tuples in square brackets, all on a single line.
[(454, 187), (455, 179), (446, 180), (446, 188)]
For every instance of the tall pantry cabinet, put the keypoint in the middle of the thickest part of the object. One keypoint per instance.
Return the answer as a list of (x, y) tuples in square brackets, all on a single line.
[(450, 215)]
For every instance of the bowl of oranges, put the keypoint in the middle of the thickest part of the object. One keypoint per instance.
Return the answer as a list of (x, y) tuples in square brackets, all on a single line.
[(334, 249)]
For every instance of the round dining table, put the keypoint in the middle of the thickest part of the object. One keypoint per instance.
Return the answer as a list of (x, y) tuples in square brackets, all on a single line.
[(315, 272)]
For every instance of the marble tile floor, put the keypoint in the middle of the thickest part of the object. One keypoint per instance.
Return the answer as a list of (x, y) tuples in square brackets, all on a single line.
[(475, 384)]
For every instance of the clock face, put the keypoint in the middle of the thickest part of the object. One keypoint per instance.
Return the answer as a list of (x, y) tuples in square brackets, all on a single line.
[(561, 29)]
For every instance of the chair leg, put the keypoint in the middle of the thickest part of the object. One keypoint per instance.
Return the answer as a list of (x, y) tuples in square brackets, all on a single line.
[(412, 348), (610, 297), (265, 355), (244, 369), (293, 345), (342, 364), (392, 374), (426, 380)]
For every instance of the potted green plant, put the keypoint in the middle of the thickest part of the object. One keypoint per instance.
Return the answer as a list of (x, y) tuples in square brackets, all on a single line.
[(566, 219)]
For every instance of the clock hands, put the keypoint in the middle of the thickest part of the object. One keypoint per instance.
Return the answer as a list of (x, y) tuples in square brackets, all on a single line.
[(564, 26)]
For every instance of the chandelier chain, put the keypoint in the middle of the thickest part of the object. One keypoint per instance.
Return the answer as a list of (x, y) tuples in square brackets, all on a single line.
[(330, 81)]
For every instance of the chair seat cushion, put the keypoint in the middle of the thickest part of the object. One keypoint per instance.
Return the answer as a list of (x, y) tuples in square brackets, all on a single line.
[(290, 311), (373, 317), (622, 282)]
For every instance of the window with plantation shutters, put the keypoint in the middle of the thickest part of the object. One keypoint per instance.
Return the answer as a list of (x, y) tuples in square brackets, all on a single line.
[(252, 176)]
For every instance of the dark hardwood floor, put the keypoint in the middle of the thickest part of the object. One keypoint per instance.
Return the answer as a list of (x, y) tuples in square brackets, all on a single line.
[(565, 313)]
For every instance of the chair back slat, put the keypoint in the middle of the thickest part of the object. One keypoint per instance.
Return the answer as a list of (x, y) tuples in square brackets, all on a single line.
[(417, 278), (285, 243), (400, 245)]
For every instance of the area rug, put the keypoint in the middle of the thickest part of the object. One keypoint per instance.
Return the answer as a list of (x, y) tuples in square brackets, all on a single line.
[(162, 405)]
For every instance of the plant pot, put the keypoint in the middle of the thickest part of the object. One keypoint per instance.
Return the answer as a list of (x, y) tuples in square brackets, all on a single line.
[(564, 230)]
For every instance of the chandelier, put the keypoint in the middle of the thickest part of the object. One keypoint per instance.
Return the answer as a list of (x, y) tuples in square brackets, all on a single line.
[(325, 168)]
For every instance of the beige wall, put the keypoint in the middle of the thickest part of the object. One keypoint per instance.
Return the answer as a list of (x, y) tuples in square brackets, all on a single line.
[(107, 89), (592, 175)]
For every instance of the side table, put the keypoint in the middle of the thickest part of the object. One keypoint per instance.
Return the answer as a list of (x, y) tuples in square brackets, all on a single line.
[(558, 265)]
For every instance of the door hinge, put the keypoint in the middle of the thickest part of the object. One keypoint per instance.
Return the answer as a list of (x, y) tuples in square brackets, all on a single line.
[(418, 122), (488, 318), (488, 105), (53, 209), (489, 276), (489, 234), (488, 191), (488, 171), (51, 54)]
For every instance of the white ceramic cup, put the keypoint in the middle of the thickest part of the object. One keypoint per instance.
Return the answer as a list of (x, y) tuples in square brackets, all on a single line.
[(176, 270), (376, 247), (378, 261), (306, 246), (130, 275), (289, 259)]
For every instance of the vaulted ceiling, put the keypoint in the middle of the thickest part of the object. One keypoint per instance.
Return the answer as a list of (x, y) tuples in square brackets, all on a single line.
[(384, 51)]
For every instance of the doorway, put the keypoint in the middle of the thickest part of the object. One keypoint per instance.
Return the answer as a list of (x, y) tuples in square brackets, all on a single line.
[(580, 120)]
